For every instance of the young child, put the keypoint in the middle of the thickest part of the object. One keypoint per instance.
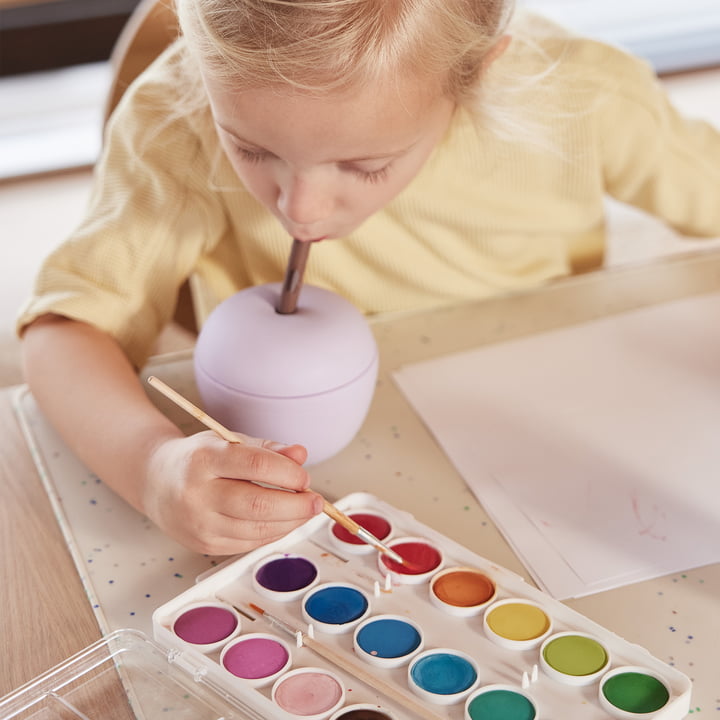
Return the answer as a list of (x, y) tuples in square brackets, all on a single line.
[(441, 151)]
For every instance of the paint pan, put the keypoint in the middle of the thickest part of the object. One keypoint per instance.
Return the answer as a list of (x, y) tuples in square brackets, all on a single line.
[(388, 641), (443, 676), (256, 658), (374, 523), (335, 607), (574, 658), (285, 577), (423, 560), (310, 692), (206, 626), (362, 711), (516, 623), (462, 591), (633, 692), (500, 702)]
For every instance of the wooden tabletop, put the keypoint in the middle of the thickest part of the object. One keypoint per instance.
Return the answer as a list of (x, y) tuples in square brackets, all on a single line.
[(46, 615)]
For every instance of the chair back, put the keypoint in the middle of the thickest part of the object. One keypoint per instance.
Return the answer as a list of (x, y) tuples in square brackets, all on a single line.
[(151, 28)]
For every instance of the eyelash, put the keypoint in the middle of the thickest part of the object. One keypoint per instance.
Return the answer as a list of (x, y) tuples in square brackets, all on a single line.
[(250, 156), (373, 176)]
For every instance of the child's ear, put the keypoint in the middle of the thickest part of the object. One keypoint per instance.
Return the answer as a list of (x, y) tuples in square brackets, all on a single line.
[(495, 52)]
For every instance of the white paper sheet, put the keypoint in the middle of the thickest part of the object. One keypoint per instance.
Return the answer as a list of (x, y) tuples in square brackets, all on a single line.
[(595, 448)]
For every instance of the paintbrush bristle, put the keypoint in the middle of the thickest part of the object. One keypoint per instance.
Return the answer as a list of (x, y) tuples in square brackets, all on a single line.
[(257, 608)]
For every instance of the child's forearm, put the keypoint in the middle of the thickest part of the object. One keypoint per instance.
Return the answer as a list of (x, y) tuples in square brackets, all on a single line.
[(210, 495), (89, 391)]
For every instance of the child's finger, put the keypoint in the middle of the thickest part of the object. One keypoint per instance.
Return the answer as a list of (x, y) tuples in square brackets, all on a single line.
[(297, 453), (263, 506), (258, 464), (254, 533)]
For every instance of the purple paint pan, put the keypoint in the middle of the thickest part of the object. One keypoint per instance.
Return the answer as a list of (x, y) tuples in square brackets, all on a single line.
[(284, 577)]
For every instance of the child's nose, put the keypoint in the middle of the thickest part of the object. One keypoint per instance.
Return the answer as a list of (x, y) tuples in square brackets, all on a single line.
[(305, 200)]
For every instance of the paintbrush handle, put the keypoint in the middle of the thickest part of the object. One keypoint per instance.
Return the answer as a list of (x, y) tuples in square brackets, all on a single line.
[(340, 518), (194, 410), (293, 277), (371, 679)]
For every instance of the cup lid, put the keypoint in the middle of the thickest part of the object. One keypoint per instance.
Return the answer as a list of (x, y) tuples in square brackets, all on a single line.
[(248, 347)]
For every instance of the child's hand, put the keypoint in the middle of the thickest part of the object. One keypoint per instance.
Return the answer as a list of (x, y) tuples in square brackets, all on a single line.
[(200, 491)]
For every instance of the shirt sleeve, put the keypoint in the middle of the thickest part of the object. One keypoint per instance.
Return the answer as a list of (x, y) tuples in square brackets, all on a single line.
[(655, 158), (151, 216)]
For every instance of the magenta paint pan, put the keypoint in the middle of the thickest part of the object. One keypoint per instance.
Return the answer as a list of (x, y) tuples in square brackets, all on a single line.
[(309, 692), (256, 658), (206, 626), (284, 577)]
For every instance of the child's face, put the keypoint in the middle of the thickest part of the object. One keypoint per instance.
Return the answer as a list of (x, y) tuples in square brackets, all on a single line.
[(323, 165)]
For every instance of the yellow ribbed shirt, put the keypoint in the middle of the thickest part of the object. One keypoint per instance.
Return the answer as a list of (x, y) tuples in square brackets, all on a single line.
[(485, 215)]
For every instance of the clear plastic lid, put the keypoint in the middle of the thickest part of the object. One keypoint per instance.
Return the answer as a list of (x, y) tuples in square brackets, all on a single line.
[(124, 675)]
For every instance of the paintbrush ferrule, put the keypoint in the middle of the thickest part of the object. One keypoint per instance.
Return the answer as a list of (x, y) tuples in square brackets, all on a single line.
[(275, 621), (370, 539)]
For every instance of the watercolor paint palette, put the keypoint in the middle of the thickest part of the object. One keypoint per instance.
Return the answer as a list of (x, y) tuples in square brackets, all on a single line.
[(319, 626)]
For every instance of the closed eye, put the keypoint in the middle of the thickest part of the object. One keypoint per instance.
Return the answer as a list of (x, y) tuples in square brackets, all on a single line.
[(371, 176), (251, 156)]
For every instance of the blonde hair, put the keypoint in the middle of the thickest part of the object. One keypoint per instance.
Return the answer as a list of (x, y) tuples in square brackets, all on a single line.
[(325, 45)]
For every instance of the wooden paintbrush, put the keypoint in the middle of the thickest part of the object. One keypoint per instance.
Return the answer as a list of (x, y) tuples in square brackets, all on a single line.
[(293, 277), (328, 508), (356, 669)]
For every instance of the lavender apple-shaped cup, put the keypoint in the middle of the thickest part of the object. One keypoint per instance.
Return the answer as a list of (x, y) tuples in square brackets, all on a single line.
[(305, 377)]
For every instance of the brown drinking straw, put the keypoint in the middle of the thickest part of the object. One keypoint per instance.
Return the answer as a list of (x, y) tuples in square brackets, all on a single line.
[(293, 277)]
